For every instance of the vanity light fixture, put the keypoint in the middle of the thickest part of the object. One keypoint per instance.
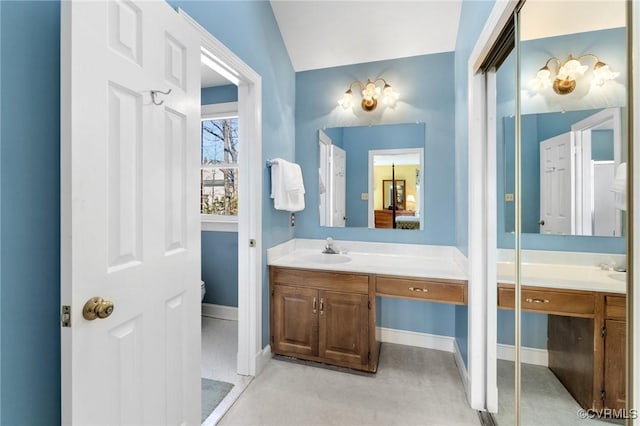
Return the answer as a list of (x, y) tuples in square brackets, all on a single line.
[(370, 93), (564, 81)]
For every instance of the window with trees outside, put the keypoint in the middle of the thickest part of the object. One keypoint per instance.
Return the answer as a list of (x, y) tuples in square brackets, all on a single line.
[(219, 169)]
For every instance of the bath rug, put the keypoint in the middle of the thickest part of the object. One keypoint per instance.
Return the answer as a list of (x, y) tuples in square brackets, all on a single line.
[(213, 391)]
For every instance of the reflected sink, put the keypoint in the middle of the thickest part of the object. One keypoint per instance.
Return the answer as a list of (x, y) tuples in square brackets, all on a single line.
[(620, 276), (326, 258)]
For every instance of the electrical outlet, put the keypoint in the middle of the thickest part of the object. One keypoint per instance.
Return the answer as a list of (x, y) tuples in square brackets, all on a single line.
[(508, 197), (292, 219), (364, 196)]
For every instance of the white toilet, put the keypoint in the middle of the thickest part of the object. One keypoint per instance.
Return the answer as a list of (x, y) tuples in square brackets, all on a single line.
[(203, 290)]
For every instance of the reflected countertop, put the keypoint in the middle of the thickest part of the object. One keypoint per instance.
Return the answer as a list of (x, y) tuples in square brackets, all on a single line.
[(410, 260), (572, 277)]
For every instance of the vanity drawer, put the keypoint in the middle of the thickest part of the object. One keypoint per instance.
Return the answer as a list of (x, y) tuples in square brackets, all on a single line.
[(446, 291), (616, 307), (552, 301), (339, 281)]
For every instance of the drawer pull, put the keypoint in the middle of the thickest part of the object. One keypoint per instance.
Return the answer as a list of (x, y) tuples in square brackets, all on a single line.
[(321, 306), (418, 289), (530, 300), (315, 305)]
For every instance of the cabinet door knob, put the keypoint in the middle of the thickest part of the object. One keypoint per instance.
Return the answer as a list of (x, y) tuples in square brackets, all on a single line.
[(321, 306), (315, 305)]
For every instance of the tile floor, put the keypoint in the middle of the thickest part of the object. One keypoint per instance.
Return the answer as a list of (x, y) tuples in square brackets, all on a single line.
[(219, 360)]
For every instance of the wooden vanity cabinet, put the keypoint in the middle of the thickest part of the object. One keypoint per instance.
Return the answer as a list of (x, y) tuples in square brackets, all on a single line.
[(586, 340), (323, 316), (614, 352)]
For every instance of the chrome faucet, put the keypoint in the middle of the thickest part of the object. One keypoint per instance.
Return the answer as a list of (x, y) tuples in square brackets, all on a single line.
[(328, 247)]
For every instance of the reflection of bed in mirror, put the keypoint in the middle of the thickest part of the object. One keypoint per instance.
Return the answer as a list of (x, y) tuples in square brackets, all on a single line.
[(408, 219)]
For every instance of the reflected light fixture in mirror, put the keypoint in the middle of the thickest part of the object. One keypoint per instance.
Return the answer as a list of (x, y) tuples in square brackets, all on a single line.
[(370, 93), (567, 73)]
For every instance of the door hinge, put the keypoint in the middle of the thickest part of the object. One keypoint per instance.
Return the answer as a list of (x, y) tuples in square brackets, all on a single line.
[(369, 355), (272, 340), (603, 331), (65, 316), (602, 394), (369, 304), (273, 292)]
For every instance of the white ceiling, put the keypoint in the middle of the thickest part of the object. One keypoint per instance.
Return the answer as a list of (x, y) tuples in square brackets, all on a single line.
[(329, 33), (210, 78)]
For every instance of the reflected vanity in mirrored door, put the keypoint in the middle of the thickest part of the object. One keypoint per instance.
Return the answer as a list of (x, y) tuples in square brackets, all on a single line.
[(560, 156)]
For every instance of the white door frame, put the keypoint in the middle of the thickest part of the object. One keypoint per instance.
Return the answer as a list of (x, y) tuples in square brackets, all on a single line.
[(250, 196), (482, 217), (324, 145), (607, 118)]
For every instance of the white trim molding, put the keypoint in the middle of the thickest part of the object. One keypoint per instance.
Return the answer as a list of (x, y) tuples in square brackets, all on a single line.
[(263, 357), (462, 369), (223, 312), (249, 105), (418, 340), (482, 219), (533, 356)]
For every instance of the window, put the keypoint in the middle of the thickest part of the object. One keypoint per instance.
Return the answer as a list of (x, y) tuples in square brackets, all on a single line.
[(219, 148)]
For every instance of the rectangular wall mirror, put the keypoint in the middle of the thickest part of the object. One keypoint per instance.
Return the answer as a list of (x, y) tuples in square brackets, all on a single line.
[(357, 168)]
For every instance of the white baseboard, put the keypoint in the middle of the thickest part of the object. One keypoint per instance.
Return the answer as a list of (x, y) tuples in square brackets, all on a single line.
[(220, 311), (462, 369), (527, 355), (262, 358), (447, 343), (412, 338)]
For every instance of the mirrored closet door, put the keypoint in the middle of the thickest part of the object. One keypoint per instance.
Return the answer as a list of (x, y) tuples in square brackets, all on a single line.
[(562, 143)]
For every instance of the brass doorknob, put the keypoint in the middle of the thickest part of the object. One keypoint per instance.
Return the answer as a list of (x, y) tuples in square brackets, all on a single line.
[(541, 222), (97, 307)]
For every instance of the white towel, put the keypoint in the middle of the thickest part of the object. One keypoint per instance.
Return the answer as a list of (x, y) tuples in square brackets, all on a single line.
[(287, 187), (619, 187)]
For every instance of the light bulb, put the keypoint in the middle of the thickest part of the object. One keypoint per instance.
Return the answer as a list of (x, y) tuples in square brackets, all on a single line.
[(571, 69), (602, 73), (346, 100)]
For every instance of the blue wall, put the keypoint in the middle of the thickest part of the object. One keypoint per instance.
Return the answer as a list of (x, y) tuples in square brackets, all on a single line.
[(29, 209), (220, 94), (249, 29), (220, 249), (422, 99), (473, 15), (220, 267)]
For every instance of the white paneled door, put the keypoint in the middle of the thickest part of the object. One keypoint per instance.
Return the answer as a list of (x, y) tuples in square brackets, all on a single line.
[(338, 187), (130, 226), (557, 185)]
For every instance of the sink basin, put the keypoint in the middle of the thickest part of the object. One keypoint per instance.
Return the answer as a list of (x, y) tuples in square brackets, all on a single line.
[(326, 259), (620, 276)]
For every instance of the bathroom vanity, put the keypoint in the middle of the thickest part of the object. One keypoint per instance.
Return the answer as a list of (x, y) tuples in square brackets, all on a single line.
[(323, 307), (585, 329)]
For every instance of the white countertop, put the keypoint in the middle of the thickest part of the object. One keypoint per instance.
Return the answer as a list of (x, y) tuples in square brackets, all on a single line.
[(409, 260), (573, 277), (562, 270)]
